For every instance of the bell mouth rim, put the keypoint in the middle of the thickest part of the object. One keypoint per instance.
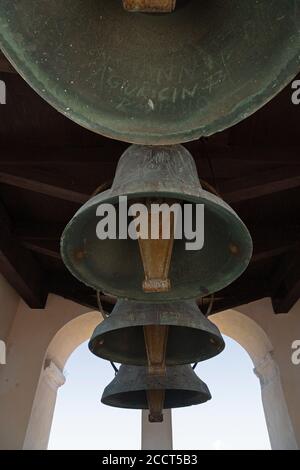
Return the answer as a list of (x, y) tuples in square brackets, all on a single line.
[(198, 196), (141, 363), (194, 337), (179, 379), (204, 398), (284, 72), (133, 360), (195, 390), (155, 139), (216, 206)]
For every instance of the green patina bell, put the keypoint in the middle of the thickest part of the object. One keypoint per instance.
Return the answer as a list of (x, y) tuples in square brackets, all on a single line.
[(157, 270), (196, 69), (134, 388), (123, 336)]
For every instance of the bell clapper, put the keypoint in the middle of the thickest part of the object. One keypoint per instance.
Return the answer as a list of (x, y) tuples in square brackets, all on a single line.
[(156, 399), (156, 338), (156, 251), (150, 6)]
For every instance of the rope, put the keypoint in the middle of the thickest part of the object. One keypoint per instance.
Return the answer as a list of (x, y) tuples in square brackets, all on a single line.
[(101, 309)]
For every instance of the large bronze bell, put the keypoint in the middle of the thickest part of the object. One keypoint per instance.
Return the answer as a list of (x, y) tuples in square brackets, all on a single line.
[(134, 388), (124, 267), (123, 336), (153, 78)]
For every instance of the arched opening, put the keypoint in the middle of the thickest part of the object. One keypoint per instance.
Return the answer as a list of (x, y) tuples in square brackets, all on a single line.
[(253, 338), (65, 341), (234, 418), (232, 323), (80, 420)]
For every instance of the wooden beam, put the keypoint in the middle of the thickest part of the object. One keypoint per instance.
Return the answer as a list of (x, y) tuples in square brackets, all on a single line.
[(287, 302), (268, 241), (20, 268), (227, 303), (262, 184), (106, 152), (228, 162), (243, 291), (40, 238), (240, 293), (55, 184), (272, 241), (47, 188), (46, 248), (65, 285), (31, 231), (287, 284), (5, 65)]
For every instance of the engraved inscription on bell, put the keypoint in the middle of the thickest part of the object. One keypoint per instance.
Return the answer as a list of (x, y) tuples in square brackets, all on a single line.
[(159, 6)]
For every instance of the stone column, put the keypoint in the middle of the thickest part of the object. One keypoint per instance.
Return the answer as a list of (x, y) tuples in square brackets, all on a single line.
[(34, 335), (281, 433), (157, 436), (38, 431)]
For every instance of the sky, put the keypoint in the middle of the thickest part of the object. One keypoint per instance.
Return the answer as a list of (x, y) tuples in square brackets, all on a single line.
[(233, 419)]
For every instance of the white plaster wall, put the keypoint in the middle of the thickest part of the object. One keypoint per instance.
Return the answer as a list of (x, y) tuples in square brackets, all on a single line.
[(9, 301), (282, 330), (271, 356), (30, 334)]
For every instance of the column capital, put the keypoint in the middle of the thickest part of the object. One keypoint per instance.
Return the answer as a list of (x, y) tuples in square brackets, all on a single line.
[(267, 370), (53, 375)]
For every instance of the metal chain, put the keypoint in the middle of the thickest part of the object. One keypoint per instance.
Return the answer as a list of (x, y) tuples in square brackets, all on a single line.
[(114, 367), (101, 309), (104, 316), (210, 306)]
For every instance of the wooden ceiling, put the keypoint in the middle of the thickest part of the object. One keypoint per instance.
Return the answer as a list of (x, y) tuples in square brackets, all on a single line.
[(49, 166)]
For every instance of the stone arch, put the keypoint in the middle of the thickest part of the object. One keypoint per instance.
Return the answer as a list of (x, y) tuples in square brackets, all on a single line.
[(239, 326), (245, 331), (253, 338), (60, 348), (70, 336)]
